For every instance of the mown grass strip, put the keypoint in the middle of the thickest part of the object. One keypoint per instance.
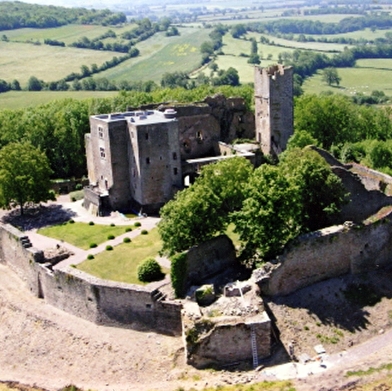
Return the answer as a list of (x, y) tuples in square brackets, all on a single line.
[(82, 234)]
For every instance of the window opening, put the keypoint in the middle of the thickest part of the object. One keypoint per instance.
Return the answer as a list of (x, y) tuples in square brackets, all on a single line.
[(102, 153)]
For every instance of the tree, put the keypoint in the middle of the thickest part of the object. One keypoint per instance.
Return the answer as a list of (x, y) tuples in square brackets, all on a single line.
[(24, 176), (321, 192), (34, 84), (200, 212), (270, 216), (330, 76)]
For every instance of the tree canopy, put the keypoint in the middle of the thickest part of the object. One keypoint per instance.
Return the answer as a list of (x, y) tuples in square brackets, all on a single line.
[(24, 176), (269, 206), (200, 212)]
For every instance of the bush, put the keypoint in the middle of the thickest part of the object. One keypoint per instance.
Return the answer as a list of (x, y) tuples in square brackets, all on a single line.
[(109, 248), (149, 270), (90, 256), (138, 224), (78, 186), (128, 229), (76, 195), (178, 274), (144, 232), (93, 245), (112, 225), (127, 240), (71, 221), (91, 223), (111, 237)]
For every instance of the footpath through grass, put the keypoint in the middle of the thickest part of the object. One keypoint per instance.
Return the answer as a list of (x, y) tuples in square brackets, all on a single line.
[(120, 264), (82, 234)]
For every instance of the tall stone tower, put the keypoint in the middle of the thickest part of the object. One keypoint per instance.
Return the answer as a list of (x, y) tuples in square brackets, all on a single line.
[(274, 107)]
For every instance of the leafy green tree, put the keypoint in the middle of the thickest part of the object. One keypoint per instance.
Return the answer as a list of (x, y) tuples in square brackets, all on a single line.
[(34, 84), (330, 76), (15, 86), (321, 192), (301, 139), (270, 216), (200, 212), (24, 176)]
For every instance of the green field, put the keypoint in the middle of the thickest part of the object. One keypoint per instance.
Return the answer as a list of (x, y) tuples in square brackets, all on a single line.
[(49, 63), (82, 234), (161, 54), (21, 99), (367, 76), (365, 34), (67, 34), (121, 263)]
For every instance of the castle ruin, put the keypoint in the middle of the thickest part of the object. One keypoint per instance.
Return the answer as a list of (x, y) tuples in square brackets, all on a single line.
[(139, 159)]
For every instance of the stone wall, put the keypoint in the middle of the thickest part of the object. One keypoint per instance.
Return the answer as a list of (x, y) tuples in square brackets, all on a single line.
[(209, 258), (100, 301), (328, 253)]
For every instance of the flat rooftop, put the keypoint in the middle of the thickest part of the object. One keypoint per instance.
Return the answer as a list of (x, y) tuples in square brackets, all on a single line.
[(139, 117)]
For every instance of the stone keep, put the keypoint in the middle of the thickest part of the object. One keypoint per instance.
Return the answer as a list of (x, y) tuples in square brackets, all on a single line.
[(133, 158), (273, 107)]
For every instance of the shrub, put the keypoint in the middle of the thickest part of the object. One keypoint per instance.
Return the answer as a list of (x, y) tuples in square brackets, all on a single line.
[(127, 240), (138, 224), (149, 270), (144, 232), (111, 237), (112, 225), (128, 229), (76, 195), (109, 248), (90, 256), (93, 245), (78, 186), (91, 223), (178, 274), (71, 221)]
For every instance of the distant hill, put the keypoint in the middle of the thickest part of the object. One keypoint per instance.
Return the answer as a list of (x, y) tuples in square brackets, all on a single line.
[(14, 15)]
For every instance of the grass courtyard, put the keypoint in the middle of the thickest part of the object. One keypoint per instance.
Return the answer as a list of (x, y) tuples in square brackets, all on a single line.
[(82, 234), (121, 263)]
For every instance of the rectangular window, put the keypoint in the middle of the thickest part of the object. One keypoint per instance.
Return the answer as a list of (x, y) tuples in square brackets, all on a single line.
[(175, 170), (146, 136), (147, 160), (100, 131), (174, 156), (102, 153)]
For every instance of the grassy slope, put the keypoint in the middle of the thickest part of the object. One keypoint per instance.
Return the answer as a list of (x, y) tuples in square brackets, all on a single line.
[(161, 54), (121, 263), (21, 60), (21, 99), (368, 75)]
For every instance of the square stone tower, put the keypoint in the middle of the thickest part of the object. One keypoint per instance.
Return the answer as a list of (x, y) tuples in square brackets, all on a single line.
[(273, 107)]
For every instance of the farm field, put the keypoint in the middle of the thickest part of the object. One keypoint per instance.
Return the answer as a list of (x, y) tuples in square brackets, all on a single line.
[(49, 63), (67, 34), (161, 54), (121, 263), (366, 33), (367, 76), (20, 99)]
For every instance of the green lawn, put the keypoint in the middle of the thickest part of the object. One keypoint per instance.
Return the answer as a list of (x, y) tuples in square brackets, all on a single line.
[(82, 234), (121, 263), (367, 76), (49, 63), (22, 99)]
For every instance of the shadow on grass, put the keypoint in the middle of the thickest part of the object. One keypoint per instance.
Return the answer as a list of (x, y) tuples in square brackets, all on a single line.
[(38, 217)]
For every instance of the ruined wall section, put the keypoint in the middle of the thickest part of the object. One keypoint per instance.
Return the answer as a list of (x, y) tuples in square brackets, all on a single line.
[(209, 258), (100, 301), (274, 107), (328, 253)]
